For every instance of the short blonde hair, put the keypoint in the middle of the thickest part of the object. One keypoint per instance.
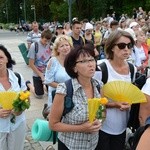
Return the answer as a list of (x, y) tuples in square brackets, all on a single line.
[(59, 39), (139, 32)]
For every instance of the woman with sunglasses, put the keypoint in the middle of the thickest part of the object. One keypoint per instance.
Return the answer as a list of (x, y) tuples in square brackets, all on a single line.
[(113, 132), (75, 132)]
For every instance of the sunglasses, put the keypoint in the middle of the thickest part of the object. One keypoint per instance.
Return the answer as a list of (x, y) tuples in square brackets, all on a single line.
[(123, 45)]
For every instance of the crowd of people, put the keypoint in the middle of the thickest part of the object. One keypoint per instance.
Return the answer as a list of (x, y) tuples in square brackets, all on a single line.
[(72, 52)]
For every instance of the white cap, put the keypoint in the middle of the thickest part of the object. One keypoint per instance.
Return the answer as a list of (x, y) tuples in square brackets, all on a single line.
[(132, 33), (132, 24), (75, 19), (88, 26)]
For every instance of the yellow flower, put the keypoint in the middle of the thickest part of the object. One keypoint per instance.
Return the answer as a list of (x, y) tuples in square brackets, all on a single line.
[(24, 95), (103, 101), (27, 93), (26, 100)]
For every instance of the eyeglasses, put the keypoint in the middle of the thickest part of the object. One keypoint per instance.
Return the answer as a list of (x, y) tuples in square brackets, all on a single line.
[(86, 61), (89, 30), (123, 45)]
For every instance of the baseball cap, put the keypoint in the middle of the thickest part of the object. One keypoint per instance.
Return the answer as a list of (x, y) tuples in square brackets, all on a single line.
[(59, 26), (74, 19)]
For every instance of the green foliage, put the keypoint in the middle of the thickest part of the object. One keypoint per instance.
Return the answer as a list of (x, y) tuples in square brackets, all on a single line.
[(21, 102), (57, 10), (20, 105), (101, 113), (147, 4)]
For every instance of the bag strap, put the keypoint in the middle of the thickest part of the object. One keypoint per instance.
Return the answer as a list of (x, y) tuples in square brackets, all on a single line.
[(104, 70), (68, 103), (19, 78), (131, 67), (69, 86), (36, 47)]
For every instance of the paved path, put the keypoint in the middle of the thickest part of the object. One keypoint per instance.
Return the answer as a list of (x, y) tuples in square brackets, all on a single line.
[(11, 41)]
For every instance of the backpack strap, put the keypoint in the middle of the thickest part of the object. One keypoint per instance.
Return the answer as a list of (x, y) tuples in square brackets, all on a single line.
[(82, 40), (19, 78), (104, 70), (98, 86), (68, 103), (36, 47), (131, 67), (69, 86)]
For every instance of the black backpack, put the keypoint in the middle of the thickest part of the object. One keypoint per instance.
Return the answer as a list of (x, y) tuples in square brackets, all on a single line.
[(134, 140)]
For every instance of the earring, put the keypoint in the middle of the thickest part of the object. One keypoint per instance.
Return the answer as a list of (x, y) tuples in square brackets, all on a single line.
[(75, 69)]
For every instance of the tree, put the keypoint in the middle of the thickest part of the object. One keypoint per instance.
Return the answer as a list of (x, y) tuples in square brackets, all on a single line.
[(50, 10), (59, 11)]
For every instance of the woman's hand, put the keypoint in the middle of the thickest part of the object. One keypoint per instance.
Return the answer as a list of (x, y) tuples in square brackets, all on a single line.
[(42, 77), (4, 113), (120, 105), (16, 113), (88, 127), (124, 106)]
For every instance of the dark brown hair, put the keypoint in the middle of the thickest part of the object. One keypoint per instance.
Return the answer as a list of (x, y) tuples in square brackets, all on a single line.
[(11, 62), (46, 34), (71, 58)]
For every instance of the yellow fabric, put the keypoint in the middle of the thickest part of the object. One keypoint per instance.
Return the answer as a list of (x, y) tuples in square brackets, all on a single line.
[(148, 41), (97, 37), (71, 42)]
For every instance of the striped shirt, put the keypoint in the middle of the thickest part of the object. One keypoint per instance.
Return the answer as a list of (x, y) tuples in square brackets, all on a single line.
[(78, 115), (33, 37)]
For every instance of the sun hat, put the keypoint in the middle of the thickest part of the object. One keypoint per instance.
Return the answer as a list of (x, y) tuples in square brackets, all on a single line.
[(88, 26), (132, 33), (133, 24)]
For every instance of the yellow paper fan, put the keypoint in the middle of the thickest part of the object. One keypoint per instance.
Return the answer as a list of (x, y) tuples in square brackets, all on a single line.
[(122, 91), (93, 105), (7, 98)]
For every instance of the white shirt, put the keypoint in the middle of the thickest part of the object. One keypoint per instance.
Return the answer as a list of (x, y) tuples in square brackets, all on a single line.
[(5, 124), (146, 88), (135, 59), (107, 33), (141, 53)]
